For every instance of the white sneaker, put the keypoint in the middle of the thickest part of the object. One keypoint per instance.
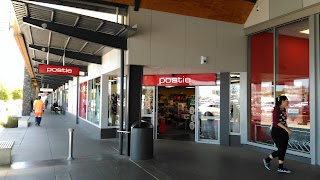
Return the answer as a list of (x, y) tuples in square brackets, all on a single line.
[(266, 165), (283, 170)]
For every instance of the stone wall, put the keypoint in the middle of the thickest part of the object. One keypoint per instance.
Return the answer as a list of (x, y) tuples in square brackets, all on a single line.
[(29, 94)]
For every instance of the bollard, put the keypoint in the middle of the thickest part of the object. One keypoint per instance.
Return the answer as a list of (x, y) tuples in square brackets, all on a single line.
[(70, 157)]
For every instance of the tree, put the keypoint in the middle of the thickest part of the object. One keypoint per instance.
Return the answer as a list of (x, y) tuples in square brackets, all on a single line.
[(16, 94), (4, 95)]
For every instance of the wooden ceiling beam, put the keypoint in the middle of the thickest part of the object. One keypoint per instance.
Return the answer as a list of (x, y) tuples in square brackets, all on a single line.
[(235, 11), (23, 50)]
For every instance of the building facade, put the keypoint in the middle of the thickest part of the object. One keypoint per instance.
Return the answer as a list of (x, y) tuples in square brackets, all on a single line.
[(274, 53)]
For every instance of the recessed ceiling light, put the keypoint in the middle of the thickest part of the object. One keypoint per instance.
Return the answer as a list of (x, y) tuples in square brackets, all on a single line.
[(305, 31), (190, 87), (169, 86)]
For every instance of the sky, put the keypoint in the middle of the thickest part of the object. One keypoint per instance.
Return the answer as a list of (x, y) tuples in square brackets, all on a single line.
[(11, 62)]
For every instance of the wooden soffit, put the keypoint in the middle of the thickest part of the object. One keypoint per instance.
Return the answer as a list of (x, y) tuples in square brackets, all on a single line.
[(235, 11)]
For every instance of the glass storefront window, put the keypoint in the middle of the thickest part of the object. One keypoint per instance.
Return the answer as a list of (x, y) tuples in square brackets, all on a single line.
[(67, 99), (235, 103), (293, 82), (114, 100), (83, 100), (209, 112), (94, 100), (147, 100), (262, 87)]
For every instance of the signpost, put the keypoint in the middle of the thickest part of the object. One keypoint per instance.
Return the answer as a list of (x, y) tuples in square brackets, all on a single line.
[(58, 70)]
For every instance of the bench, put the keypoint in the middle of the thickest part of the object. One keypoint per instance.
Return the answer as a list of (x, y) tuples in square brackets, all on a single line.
[(23, 121), (5, 152), (56, 110)]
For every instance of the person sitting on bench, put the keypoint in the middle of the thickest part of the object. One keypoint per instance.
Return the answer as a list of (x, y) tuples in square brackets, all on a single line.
[(55, 107)]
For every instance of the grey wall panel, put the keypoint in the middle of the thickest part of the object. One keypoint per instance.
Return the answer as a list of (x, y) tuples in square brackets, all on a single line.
[(168, 39), (278, 8), (179, 41), (140, 44), (201, 40), (310, 2), (108, 133), (235, 140), (231, 44), (257, 17)]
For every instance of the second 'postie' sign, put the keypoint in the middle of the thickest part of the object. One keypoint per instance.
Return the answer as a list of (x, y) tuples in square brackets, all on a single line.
[(59, 70)]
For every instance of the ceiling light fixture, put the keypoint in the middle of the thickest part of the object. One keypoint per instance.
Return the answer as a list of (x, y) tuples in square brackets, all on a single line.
[(169, 86), (190, 87), (305, 31)]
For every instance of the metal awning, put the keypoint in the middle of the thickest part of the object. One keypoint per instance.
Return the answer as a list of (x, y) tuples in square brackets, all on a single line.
[(54, 35)]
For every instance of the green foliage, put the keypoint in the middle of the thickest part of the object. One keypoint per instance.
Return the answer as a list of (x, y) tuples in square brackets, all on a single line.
[(16, 94), (4, 95), (3, 124), (11, 123)]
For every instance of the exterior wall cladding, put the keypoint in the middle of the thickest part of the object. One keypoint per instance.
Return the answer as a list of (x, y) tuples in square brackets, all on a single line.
[(29, 93)]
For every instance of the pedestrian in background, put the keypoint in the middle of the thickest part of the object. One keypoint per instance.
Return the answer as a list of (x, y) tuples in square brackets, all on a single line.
[(280, 134), (38, 108)]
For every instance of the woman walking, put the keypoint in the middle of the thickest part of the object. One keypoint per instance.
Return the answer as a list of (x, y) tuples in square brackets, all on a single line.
[(280, 134)]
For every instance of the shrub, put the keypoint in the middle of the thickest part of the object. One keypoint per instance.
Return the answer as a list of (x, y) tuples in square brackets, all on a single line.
[(3, 124), (12, 122)]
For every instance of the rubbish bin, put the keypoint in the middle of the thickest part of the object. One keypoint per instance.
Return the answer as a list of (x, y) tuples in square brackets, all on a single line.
[(141, 141)]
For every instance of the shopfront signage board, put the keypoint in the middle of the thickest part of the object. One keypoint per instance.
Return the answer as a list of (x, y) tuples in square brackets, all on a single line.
[(58, 70), (180, 80)]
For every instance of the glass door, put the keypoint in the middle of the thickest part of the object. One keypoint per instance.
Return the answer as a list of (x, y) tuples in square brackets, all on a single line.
[(148, 106), (208, 113)]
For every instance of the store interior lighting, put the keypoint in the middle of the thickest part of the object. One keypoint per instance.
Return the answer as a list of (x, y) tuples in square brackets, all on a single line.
[(190, 87), (169, 86)]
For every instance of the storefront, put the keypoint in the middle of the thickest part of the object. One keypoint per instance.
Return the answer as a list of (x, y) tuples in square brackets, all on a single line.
[(187, 106), (279, 65)]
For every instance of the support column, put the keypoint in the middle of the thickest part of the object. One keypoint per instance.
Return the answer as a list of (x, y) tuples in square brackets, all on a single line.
[(224, 109), (104, 102), (314, 44), (134, 93), (64, 99), (29, 94), (78, 99)]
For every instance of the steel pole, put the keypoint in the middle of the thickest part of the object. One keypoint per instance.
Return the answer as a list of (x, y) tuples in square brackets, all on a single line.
[(70, 157), (121, 103)]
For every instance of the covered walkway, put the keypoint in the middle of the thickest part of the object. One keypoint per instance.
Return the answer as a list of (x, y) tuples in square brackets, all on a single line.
[(40, 153)]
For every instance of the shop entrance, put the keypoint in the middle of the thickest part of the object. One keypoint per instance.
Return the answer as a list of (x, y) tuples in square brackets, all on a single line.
[(170, 103), (174, 116)]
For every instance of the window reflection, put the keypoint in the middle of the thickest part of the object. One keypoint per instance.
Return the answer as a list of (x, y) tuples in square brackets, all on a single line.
[(209, 112), (83, 100), (114, 100), (147, 100), (235, 103), (292, 80), (94, 100), (262, 93)]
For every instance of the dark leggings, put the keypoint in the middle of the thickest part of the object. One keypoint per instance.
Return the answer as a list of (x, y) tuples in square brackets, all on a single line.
[(280, 138)]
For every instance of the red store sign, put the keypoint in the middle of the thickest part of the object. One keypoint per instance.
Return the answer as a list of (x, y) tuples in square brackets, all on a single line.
[(59, 70), (179, 80)]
